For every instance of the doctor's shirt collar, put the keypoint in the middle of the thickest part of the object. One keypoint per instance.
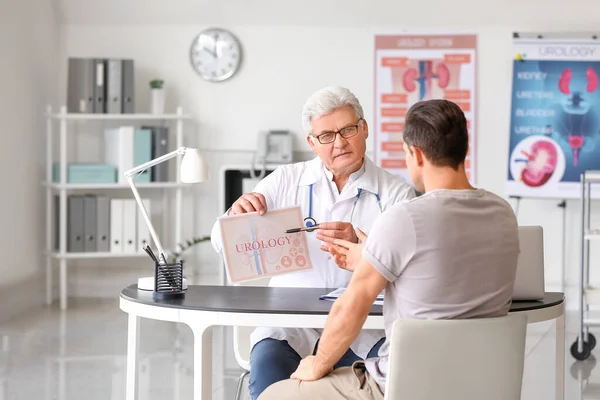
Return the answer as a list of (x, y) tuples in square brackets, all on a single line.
[(365, 177)]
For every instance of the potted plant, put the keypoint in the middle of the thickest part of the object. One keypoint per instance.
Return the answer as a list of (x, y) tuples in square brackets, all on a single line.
[(157, 96), (183, 246)]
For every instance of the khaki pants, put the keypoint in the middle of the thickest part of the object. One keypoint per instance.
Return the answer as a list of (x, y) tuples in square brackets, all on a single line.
[(352, 383)]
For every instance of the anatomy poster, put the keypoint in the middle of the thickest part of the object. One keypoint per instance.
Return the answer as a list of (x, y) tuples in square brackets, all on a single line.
[(410, 68), (257, 246), (555, 117)]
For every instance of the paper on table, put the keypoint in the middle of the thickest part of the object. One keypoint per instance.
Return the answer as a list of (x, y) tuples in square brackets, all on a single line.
[(332, 296), (256, 246)]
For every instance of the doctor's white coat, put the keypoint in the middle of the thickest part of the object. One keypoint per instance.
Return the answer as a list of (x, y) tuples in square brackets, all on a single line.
[(289, 185)]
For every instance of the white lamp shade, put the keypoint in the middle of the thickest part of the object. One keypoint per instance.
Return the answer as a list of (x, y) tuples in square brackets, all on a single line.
[(193, 167)]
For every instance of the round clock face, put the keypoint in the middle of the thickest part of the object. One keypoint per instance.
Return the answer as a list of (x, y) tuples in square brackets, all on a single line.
[(215, 54)]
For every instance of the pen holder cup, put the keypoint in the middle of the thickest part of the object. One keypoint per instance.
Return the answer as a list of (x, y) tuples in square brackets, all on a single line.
[(168, 281)]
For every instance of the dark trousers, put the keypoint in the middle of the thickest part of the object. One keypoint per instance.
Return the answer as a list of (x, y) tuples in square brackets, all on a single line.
[(273, 360)]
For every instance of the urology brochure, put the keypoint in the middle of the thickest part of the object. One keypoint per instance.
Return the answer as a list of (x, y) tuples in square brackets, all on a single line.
[(257, 246), (555, 117)]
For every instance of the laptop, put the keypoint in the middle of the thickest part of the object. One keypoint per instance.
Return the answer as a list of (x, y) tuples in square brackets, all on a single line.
[(529, 282)]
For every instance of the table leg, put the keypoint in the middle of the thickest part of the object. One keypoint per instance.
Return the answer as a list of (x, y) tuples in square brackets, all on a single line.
[(133, 343), (202, 361), (560, 357)]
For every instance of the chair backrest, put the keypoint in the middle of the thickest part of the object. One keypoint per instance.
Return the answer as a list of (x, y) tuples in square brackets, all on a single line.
[(460, 359), (241, 334)]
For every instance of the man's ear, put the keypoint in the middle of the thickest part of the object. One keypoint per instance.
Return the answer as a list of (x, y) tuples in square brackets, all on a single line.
[(309, 139), (418, 156), (366, 128)]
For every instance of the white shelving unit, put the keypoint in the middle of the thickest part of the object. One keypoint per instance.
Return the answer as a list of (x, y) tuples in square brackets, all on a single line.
[(63, 119), (588, 294)]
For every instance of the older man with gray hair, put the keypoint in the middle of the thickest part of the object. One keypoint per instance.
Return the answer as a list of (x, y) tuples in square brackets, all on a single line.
[(343, 192)]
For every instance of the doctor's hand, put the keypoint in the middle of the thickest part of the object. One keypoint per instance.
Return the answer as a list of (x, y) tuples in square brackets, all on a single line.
[(347, 254), (249, 202), (329, 231)]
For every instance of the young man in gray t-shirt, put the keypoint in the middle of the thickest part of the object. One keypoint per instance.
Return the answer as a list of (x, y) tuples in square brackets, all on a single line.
[(450, 253)]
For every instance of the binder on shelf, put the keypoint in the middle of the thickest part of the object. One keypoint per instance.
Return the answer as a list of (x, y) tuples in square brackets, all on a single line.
[(80, 85), (118, 149), (103, 223), (129, 219), (116, 225), (114, 86), (99, 86), (128, 88), (75, 221), (143, 233), (160, 147), (142, 153), (89, 223)]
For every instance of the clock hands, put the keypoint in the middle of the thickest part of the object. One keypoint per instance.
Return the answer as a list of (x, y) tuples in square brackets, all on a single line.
[(215, 49), (211, 52)]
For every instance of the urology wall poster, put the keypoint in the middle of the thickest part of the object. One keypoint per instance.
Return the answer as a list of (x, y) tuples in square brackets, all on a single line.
[(257, 246), (555, 117), (410, 68)]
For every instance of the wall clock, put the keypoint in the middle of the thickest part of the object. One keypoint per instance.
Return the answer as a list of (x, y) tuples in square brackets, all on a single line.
[(215, 54)]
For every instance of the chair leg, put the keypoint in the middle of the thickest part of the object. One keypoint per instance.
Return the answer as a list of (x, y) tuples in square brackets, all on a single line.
[(240, 382)]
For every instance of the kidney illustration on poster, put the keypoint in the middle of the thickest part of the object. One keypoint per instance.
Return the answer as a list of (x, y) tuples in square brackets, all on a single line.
[(555, 118)]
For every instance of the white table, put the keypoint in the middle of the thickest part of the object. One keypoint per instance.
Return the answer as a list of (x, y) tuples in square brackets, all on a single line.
[(206, 306)]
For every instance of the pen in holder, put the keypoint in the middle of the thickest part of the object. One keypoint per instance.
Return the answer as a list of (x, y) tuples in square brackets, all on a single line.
[(168, 281)]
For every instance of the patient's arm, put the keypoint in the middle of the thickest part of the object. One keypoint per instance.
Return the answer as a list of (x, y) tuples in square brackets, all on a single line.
[(347, 315)]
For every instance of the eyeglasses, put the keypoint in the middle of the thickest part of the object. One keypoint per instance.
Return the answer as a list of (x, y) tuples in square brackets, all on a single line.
[(346, 133)]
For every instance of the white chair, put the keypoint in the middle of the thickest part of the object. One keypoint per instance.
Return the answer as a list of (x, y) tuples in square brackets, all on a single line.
[(459, 359), (241, 341)]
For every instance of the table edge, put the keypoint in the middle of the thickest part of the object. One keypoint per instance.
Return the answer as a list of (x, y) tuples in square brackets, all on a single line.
[(379, 312)]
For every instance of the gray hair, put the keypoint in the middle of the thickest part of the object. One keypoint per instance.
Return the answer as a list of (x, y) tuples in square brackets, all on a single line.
[(327, 100)]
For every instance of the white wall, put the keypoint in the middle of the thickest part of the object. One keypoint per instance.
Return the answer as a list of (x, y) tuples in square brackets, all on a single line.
[(29, 43), (292, 49)]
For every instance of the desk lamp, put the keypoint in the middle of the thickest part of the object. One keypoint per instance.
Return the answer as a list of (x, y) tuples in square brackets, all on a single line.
[(193, 170)]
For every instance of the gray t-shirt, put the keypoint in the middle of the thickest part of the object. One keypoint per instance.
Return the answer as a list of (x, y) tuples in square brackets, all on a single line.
[(447, 254)]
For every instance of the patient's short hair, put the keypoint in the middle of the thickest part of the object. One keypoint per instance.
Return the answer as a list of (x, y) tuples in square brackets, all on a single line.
[(439, 128)]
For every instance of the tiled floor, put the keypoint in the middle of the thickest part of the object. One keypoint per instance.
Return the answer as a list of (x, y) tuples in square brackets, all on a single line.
[(81, 354)]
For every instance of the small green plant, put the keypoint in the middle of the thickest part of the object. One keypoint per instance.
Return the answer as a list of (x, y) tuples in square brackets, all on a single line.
[(157, 83), (183, 246)]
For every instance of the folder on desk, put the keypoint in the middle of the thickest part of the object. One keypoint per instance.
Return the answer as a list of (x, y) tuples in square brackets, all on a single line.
[(80, 85), (334, 295)]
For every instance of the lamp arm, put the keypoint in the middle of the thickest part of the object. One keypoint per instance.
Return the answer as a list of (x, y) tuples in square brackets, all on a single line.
[(161, 252), (152, 163)]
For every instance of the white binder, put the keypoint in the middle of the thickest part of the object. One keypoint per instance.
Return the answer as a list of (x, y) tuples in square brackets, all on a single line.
[(143, 233), (118, 149), (129, 226), (116, 225)]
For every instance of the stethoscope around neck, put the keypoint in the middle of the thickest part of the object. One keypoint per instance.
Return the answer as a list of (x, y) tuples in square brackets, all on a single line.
[(310, 221)]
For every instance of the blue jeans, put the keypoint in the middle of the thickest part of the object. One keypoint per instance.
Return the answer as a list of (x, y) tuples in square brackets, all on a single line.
[(273, 360)]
